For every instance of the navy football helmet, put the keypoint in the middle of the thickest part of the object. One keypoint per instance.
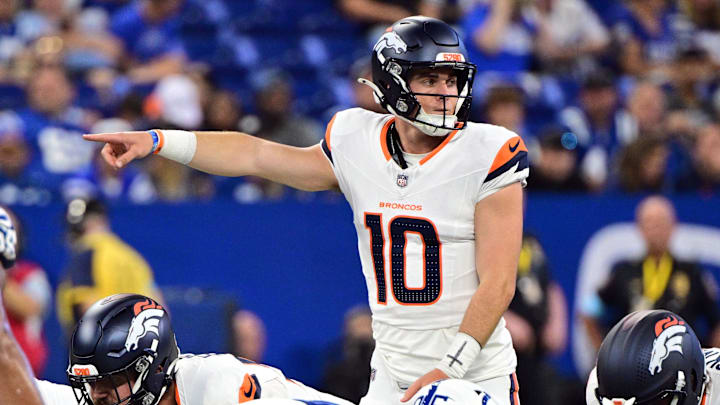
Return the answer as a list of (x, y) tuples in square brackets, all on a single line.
[(8, 240), (650, 358), (123, 339), (415, 43)]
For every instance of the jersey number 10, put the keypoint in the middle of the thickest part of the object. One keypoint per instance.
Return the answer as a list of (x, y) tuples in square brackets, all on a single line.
[(432, 254)]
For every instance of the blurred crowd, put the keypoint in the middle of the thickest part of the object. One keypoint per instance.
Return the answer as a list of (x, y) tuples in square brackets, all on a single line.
[(610, 96)]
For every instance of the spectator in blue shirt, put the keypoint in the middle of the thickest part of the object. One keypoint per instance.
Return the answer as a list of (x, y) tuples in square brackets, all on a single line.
[(500, 35), (704, 178), (597, 123), (150, 32), (54, 127), (650, 33), (18, 183)]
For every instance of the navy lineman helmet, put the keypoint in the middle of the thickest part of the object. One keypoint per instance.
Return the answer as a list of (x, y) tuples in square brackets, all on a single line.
[(650, 358), (415, 43), (124, 339)]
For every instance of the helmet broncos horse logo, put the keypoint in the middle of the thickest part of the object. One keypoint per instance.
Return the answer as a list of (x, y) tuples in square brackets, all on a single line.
[(668, 338), (146, 320), (392, 40)]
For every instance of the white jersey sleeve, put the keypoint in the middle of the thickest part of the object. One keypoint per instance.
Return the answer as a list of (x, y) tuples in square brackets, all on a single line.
[(592, 384), (711, 395), (275, 401), (509, 164), (223, 379), (56, 394)]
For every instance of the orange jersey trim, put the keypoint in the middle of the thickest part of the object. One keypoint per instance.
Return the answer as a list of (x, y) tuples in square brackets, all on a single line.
[(328, 130), (248, 389), (372, 257), (508, 151), (437, 149), (177, 395), (383, 138), (515, 394)]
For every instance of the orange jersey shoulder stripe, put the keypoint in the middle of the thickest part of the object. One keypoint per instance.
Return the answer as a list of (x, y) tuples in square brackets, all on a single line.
[(383, 138), (328, 130), (437, 149), (177, 395), (508, 151)]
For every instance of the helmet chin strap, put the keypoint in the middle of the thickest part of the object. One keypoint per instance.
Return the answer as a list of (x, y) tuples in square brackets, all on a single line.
[(377, 94), (429, 124), (679, 385)]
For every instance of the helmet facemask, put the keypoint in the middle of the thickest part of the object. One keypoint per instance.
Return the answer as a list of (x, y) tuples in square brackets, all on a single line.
[(675, 396), (401, 101), (84, 385), (135, 376)]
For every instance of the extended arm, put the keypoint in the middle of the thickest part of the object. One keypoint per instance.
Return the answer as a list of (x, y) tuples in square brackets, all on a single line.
[(233, 154), (17, 384)]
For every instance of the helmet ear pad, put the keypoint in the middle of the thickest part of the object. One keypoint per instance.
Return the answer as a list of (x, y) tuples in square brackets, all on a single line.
[(159, 375)]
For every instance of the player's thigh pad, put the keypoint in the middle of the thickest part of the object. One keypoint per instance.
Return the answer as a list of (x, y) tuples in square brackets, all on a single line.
[(503, 390), (383, 390)]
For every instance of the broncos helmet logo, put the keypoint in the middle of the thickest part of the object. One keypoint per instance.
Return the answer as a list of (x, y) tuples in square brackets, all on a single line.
[(390, 40), (668, 338), (146, 320)]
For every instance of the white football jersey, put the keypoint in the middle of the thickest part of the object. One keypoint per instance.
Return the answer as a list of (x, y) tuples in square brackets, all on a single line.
[(223, 379), (711, 396), (415, 226), (56, 394), (275, 401)]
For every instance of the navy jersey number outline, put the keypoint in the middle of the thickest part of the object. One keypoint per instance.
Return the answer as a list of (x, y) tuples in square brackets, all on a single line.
[(398, 227)]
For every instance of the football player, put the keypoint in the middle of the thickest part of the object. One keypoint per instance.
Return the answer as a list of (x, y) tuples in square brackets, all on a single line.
[(17, 385), (123, 351), (436, 200), (653, 358)]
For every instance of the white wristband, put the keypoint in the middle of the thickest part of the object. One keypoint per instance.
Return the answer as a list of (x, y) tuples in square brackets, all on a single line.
[(177, 145), (460, 356)]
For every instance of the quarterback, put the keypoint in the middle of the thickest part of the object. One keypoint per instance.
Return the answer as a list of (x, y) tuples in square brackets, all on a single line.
[(436, 200), (654, 358)]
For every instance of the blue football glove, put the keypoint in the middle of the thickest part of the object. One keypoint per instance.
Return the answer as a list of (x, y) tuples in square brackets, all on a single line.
[(8, 240)]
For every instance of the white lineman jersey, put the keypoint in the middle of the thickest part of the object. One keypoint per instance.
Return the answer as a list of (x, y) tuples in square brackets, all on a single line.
[(415, 226), (56, 394), (223, 379), (710, 396), (288, 402), (217, 379)]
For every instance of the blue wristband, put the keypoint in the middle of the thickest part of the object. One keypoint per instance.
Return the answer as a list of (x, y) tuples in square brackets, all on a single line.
[(155, 138)]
